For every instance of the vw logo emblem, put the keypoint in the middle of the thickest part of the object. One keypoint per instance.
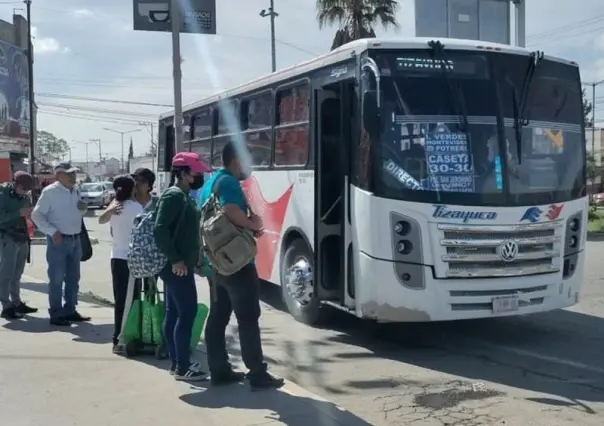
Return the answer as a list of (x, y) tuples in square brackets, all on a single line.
[(508, 250)]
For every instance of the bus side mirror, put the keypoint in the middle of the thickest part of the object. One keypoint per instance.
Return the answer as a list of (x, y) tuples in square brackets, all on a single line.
[(371, 113)]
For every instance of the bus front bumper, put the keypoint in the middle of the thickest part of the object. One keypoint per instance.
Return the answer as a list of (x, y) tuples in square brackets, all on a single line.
[(382, 296)]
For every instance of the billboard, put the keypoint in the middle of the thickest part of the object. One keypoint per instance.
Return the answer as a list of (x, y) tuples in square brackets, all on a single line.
[(197, 16), (14, 97), (487, 20)]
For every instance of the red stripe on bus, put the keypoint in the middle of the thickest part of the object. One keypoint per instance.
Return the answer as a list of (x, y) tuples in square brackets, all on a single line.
[(273, 215)]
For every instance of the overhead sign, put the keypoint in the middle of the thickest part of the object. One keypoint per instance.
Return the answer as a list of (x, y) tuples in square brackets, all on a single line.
[(197, 16)]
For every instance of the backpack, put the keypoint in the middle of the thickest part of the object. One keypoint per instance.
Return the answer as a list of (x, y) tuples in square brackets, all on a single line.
[(228, 247), (145, 259)]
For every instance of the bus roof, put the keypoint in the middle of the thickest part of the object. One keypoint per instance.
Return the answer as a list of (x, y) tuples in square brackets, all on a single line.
[(354, 48)]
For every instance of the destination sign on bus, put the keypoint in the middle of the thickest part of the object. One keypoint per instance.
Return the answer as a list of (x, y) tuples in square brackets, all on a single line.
[(449, 162)]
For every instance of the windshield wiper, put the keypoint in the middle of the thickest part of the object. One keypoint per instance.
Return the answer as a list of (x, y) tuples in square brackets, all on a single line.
[(457, 98), (520, 119)]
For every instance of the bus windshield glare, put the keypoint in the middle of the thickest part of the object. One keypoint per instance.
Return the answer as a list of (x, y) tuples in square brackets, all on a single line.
[(448, 129)]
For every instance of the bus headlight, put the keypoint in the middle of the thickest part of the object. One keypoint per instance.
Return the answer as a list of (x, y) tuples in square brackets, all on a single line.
[(404, 247), (573, 242), (574, 225), (402, 228)]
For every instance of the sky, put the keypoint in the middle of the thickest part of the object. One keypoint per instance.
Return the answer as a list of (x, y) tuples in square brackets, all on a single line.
[(88, 49)]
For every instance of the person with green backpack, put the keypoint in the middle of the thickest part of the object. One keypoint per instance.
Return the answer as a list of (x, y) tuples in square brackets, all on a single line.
[(176, 235)]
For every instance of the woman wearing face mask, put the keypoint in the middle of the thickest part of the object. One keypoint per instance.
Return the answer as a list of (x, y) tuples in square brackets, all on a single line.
[(177, 236)]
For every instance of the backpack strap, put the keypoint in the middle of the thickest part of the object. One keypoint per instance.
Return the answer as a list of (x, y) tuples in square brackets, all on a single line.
[(215, 191)]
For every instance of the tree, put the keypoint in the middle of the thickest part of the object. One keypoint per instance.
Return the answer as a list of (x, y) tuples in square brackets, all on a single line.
[(587, 109), (356, 19), (131, 150), (49, 147)]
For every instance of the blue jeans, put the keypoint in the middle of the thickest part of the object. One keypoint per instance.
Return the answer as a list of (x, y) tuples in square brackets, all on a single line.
[(180, 295), (63, 267)]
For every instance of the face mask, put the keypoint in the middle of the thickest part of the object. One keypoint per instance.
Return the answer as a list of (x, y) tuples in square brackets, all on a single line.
[(197, 182)]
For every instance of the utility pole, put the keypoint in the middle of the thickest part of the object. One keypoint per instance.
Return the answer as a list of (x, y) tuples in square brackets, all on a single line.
[(87, 166), (272, 14), (30, 84), (175, 19), (98, 144), (149, 126)]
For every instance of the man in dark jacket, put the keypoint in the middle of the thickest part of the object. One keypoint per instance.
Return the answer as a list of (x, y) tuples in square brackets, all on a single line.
[(15, 206)]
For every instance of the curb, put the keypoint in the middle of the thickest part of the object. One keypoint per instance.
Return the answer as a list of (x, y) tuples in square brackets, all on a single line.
[(595, 236), (41, 241)]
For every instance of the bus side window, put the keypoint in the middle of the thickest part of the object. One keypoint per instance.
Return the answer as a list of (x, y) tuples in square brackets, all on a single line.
[(292, 126), (256, 124)]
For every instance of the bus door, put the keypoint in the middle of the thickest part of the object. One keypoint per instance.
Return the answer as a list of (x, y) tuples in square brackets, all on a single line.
[(333, 119)]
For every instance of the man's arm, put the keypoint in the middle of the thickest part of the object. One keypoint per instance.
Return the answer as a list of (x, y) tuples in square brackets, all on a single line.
[(40, 213), (168, 213), (228, 190)]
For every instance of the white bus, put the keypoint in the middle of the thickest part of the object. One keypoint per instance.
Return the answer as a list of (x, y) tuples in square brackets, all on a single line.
[(411, 180)]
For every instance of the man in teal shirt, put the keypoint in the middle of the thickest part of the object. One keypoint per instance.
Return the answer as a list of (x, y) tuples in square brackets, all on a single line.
[(239, 292)]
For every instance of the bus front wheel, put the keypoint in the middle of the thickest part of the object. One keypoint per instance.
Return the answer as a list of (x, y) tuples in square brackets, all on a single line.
[(297, 284)]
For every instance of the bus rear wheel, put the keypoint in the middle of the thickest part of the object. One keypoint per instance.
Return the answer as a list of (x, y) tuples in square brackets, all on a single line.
[(297, 284)]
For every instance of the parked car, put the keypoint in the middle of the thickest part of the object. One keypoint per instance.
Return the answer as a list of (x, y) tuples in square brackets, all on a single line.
[(109, 187), (95, 194)]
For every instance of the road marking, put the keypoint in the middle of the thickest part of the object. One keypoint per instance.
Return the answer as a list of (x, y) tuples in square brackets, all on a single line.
[(542, 357)]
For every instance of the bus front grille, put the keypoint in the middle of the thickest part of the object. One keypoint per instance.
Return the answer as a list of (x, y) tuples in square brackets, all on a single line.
[(476, 251)]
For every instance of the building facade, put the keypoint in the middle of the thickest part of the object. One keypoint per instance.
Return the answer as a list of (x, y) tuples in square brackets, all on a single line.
[(15, 121)]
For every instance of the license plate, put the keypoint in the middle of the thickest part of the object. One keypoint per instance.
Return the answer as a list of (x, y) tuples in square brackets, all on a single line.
[(505, 304)]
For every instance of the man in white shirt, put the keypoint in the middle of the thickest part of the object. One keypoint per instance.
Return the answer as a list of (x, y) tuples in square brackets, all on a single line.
[(58, 214)]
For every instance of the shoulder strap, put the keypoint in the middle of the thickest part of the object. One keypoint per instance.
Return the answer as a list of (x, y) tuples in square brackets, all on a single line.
[(216, 187)]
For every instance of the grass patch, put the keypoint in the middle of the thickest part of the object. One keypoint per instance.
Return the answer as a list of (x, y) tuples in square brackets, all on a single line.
[(596, 221)]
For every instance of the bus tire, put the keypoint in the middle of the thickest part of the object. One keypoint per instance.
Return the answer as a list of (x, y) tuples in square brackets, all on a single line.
[(297, 293)]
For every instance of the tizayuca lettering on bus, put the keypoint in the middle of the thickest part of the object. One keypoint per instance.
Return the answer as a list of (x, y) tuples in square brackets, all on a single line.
[(443, 212)]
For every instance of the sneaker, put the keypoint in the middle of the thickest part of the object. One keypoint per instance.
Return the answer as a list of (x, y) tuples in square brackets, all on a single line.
[(60, 322), (265, 381), (22, 308), (118, 349), (227, 378), (11, 314), (191, 376), (77, 317)]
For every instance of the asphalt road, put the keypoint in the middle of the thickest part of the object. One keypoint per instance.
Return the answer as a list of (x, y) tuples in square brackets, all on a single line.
[(541, 370)]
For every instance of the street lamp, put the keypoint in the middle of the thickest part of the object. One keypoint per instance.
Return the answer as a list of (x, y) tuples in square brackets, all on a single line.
[(122, 133), (272, 14)]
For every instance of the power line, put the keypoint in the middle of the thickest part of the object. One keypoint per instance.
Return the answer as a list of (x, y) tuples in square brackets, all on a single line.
[(77, 108), (96, 118), (568, 27), (561, 36), (112, 101)]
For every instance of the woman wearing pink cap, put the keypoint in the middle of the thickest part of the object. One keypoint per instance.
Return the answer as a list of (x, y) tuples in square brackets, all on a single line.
[(177, 236)]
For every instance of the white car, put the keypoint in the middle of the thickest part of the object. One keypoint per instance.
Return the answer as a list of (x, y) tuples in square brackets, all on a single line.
[(95, 194)]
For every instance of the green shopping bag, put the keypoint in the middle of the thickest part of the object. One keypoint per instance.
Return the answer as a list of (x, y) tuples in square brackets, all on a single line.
[(200, 320), (131, 329), (157, 313)]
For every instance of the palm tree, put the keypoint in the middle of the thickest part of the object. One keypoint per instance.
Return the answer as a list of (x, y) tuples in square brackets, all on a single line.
[(356, 18)]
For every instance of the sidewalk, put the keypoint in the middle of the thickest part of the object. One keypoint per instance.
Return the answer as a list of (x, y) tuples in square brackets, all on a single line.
[(59, 377)]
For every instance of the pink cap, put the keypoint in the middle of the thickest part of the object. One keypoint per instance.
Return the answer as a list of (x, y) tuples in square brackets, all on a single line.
[(191, 160)]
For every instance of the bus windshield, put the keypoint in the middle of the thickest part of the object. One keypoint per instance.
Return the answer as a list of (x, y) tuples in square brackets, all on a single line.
[(442, 121)]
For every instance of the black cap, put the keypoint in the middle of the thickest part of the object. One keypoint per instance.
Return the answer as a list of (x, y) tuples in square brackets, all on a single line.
[(145, 174)]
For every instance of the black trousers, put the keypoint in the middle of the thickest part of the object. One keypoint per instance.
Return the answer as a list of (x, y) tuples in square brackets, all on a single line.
[(120, 275), (237, 293)]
